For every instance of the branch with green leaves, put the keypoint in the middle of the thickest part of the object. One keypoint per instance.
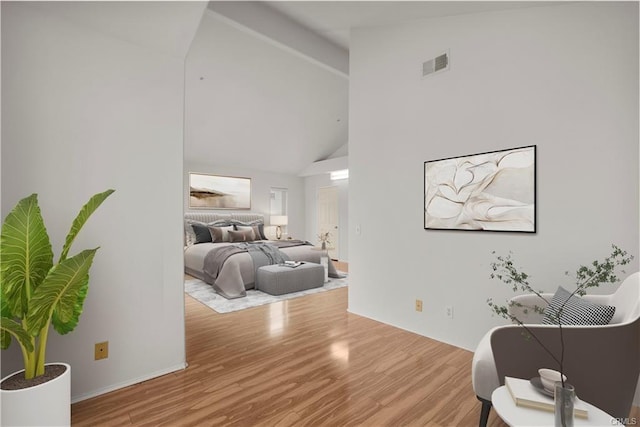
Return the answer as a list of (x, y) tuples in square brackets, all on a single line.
[(504, 270)]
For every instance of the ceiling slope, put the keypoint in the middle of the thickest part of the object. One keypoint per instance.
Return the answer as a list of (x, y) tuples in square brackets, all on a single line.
[(252, 104), (265, 21), (335, 19)]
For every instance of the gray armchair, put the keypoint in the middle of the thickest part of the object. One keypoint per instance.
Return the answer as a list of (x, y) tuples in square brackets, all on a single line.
[(602, 362)]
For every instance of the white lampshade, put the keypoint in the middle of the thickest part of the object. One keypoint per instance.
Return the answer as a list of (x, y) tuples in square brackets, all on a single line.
[(279, 220)]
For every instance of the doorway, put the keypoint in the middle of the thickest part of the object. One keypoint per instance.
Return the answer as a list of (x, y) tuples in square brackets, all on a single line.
[(329, 218)]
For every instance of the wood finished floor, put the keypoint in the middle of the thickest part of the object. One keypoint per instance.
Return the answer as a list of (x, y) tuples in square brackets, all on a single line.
[(304, 361)]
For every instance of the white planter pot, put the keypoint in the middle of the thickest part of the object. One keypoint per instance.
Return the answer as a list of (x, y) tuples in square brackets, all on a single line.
[(47, 404)]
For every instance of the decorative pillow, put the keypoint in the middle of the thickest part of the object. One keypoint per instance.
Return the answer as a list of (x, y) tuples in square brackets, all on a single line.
[(189, 233), (220, 223), (576, 311), (202, 233), (257, 225), (252, 228), (220, 234), (241, 235), (261, 232)]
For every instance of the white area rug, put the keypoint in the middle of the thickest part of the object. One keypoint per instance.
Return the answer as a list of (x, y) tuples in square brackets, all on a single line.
[(204, 293)]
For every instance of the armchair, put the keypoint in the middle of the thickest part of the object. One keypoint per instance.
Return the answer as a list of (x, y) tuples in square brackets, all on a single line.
[(602, 362)]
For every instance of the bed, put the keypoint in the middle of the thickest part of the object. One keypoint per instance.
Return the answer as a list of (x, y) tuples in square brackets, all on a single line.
[(237, 248)]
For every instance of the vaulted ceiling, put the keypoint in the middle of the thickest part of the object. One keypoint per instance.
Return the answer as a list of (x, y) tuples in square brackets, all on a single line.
[(258, 104), (267, 82)]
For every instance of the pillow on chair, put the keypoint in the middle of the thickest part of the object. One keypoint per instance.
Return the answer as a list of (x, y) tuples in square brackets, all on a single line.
[(576, 311)]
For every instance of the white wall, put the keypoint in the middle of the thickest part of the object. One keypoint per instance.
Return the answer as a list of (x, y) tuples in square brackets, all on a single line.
[(84, 111), (256, 105), (261, 184), (312, 185), (562, 77)]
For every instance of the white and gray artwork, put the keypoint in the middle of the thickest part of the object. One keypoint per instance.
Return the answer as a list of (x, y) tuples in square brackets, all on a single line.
[(492, 191), (219, 192)]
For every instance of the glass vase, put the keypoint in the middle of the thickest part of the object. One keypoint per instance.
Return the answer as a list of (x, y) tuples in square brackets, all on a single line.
[(565, 398), (324, 261)]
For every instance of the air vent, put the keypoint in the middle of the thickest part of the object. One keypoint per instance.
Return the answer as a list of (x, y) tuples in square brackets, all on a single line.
[(435, 65)]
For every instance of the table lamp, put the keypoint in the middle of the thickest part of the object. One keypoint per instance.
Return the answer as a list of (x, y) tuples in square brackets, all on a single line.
[(279, 220)]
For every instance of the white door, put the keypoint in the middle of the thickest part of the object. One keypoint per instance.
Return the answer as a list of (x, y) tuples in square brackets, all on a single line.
[(328, 217)]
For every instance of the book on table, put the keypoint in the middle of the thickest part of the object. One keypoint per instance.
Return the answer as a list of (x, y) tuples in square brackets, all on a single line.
[(292, 264), (524, 394)]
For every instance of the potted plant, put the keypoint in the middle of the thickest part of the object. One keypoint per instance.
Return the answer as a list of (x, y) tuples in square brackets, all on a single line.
[(37, 293), (324, 239), (598, 272)]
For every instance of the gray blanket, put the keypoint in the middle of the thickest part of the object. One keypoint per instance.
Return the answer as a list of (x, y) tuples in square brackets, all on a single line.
[(264, 254), (215, 259)]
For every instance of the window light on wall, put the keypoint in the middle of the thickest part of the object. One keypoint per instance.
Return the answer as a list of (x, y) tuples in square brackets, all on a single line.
[(341, 174)]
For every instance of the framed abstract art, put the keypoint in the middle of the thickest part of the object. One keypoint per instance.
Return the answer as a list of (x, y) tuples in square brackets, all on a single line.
[(491, 191), (219, 192)]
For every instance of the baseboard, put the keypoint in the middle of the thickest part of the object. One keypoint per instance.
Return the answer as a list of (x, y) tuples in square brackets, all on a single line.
[(114, 387)]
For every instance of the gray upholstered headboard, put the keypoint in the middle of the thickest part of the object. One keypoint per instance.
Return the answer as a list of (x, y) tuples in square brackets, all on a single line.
[(207, 217), (215, 216)]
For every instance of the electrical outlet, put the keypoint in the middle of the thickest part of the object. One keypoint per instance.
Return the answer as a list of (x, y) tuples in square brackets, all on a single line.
[(102, 350), (418, 305), (449, 311)]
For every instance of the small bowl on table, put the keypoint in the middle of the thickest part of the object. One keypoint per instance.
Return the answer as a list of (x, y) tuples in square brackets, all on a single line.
[(549, 377)]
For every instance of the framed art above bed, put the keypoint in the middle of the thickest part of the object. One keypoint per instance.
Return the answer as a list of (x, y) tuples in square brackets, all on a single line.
[(219, 192), (492, 191)]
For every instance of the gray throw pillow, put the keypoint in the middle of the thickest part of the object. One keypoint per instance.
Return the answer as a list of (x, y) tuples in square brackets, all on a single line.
[(219, 234), (241, 236), (258, 226), (261, 232), (576, 311), (189, 233), (252, 228), (202, 233)]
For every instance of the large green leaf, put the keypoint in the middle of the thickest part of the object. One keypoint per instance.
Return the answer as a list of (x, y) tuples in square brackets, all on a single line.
[(26, 254), (67, 313), (10, 327), (5, 338), (61, 290), (81, 219)]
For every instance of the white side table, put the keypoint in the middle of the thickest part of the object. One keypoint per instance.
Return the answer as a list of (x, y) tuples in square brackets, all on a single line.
[(520, 416), (324, 261)]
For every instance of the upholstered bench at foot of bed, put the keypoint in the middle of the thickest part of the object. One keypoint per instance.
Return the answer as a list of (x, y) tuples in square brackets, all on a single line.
[(278, 279)]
